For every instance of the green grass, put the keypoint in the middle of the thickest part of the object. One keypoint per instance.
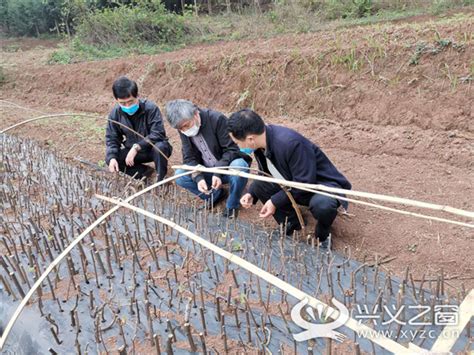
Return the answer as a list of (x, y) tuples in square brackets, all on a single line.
[(249, 25), (11, 48), (89, 130), (75, 51), (350, 59)]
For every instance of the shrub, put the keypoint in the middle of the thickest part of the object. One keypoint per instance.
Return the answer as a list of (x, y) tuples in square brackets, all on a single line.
[(60, 56), (126, 24), (23, 17), (335, 9)]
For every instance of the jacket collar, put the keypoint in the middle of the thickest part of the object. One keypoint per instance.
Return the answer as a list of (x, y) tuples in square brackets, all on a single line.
[(268, 138), (141, 108), (203, 114)]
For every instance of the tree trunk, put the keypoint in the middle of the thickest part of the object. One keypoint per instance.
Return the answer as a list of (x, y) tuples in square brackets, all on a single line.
[(209, 7), (68, 30), (57, 27), (241, 6), (258, 9)]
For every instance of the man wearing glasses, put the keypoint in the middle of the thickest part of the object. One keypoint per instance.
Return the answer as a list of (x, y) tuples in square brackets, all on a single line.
[(205, 141)]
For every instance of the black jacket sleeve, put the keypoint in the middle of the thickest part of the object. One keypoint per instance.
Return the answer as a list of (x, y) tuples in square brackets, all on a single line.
[(299, 158), (113, 139), (190, 157), (230, 151), (154, 122)]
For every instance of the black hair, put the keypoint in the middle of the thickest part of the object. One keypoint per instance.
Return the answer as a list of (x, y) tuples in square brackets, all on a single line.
[(123, 88), (245, 122)]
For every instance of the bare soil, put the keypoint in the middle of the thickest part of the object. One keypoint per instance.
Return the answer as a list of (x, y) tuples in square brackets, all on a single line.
[(391, 105)]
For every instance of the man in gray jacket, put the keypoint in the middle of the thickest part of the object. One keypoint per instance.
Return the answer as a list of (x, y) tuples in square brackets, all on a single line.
[(205, 141)]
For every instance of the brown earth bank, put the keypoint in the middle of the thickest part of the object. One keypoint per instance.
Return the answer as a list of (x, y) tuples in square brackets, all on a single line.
[(391, 104)]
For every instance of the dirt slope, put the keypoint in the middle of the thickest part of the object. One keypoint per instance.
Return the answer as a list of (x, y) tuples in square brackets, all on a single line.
[(391, 104)]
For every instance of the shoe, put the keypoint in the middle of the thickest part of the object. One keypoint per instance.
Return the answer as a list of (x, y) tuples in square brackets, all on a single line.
[(230, 213), (149, 171), (291, 227), (326, 243), (139, 171)]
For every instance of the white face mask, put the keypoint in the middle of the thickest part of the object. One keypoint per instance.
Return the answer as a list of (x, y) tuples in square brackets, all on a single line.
[(191, 132)]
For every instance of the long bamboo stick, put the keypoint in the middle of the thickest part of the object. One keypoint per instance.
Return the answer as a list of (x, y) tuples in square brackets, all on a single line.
[(450, 333), (385, 208), (386, 198), (319, 187), (59, 115), (352, 324)]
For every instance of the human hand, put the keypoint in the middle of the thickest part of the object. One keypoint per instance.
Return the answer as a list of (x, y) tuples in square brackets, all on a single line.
[(202, 186), (246, 201), (113, 166), (129, 160), (216, 182), (267, 210)]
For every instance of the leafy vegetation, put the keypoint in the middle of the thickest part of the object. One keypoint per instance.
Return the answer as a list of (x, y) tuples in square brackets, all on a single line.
[(98, 29), (150, 23), (42, 17)]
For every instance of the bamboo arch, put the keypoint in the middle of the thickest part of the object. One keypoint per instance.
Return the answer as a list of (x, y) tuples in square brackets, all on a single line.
[(352, 324), (66, 251), (329, 191)]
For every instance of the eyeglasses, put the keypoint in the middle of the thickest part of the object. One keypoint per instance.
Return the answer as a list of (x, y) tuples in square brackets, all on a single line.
[(186, 124), (127, 102)]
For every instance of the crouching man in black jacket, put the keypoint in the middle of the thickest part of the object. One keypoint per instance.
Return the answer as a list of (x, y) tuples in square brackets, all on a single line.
[(285, 154), (205, 141), (144, 117)]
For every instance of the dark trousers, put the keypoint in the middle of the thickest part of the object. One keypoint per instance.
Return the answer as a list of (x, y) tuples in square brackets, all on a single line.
[(146, 156), (323, 208)]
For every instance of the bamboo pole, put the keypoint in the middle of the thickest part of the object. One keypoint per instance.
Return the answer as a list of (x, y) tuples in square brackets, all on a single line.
[(369, 204), (319, 187), (285, 190), (450, 333), (59, 115), (386, 198), (323, 188), (352, 324), (19, 106)]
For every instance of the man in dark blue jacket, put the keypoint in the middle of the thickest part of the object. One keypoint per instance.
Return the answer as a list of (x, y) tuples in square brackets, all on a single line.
[(127, 151), (285, 154), (205, 141)]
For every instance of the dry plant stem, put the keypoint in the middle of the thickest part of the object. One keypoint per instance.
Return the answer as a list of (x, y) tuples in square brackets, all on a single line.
[(66, 252), (271, 279)]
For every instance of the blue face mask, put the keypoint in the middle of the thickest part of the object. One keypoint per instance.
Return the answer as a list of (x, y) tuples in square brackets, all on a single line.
[(247, 150), (130, 110)]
